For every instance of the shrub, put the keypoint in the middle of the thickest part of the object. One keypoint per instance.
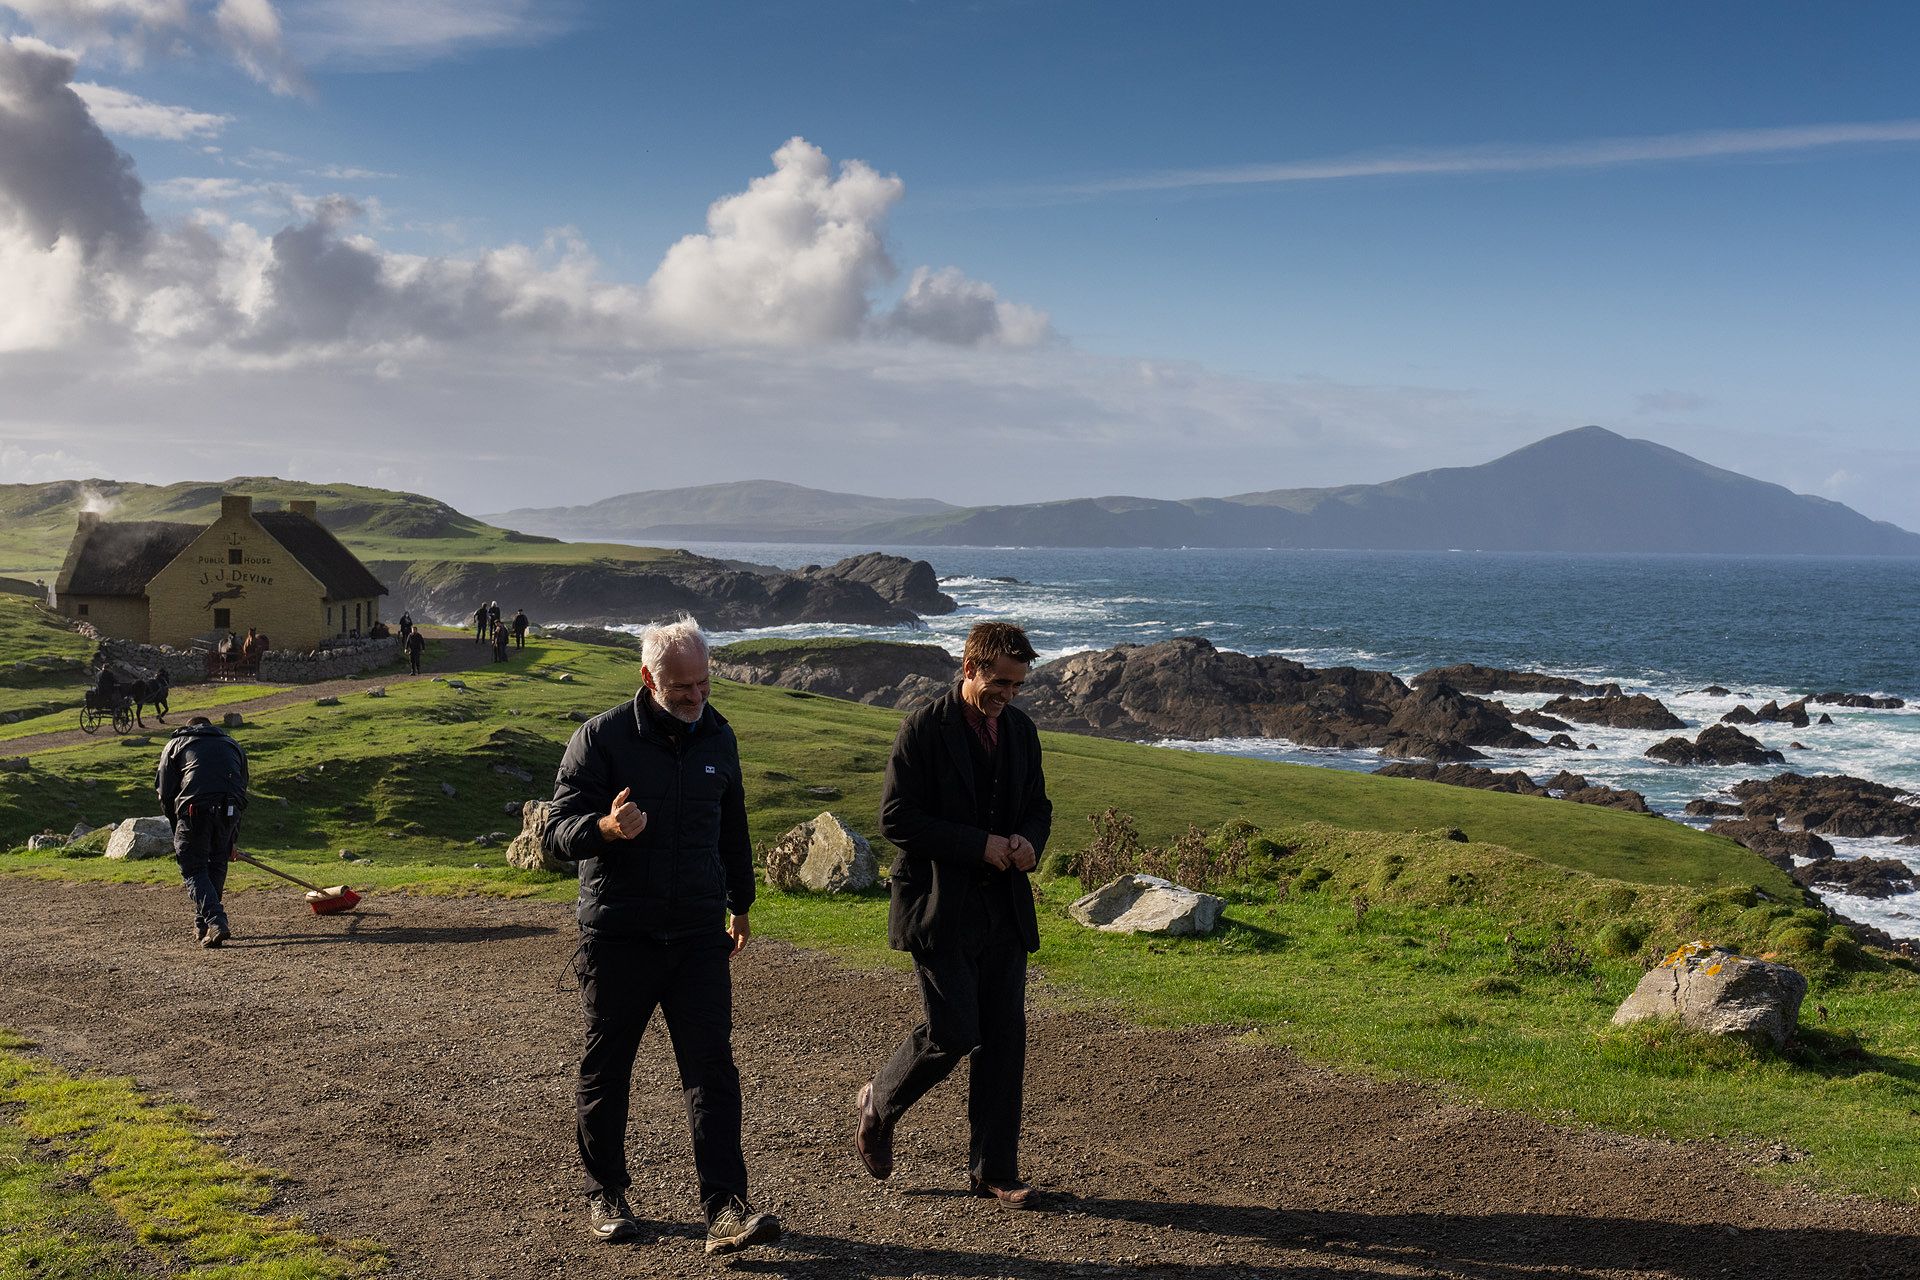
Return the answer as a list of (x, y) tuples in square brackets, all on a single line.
[(1795, 937), (1494, 985), (1311, 878), (1621, 938)]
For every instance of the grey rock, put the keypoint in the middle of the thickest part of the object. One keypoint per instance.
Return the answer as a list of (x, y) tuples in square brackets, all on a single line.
[(446, 789), (1147, 904), (232, 720), (328, 701), (15, 764), (139, 838), (509, 771), (822, 855), (378, 691), (1716, 991), (45, 840), (511, 808), (528, 850)]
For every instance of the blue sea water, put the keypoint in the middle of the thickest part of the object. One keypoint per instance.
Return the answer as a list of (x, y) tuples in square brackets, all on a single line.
[(1763, 627)]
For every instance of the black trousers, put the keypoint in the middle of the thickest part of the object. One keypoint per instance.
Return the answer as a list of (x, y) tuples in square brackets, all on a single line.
[(621, 983), (975, 998), (204, 833)]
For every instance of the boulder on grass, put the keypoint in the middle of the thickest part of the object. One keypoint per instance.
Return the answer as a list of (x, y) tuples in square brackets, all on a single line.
[(1147, 904), (1714, 990), (528, 850), (138, 838), (822, 855), (45, 840)]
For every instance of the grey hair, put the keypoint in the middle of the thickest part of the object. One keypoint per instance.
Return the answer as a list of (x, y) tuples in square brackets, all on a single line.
[(666, 638)]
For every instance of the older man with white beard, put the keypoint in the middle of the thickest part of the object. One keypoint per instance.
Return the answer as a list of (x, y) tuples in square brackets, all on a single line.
[(649, 802)]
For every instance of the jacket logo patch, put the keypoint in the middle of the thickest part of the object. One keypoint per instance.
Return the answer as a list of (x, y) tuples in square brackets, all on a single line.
[(709, 768)]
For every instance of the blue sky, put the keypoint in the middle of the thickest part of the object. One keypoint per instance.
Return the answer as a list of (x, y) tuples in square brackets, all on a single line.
[(1169, 250)]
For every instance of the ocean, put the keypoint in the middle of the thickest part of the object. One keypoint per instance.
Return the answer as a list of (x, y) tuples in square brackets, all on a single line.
[(1763, 627)]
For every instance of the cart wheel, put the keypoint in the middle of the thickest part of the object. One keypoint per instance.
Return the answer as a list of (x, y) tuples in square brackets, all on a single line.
[(122, 720), (89, 720)]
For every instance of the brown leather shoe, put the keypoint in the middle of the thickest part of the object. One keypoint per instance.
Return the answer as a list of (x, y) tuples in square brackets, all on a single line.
[(872, 1141), (1014, 1195)]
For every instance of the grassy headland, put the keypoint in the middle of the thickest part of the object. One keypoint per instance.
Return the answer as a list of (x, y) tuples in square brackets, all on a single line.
[(1359, 930)]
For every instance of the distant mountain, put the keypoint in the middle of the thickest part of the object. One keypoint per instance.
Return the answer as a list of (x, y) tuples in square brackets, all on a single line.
[(741, 511), (1582, 490)]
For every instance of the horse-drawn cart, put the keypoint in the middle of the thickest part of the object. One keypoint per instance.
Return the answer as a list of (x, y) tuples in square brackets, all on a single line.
[(115, 708), (124, 699)]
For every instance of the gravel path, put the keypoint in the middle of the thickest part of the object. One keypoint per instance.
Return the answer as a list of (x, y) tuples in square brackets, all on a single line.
[(409, 1067)]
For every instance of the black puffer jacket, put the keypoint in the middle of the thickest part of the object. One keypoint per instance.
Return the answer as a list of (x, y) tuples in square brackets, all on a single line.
[(693, 862), (198, 762)]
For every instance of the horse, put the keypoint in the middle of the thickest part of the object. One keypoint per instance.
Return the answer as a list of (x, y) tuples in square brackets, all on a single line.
[(150, 692)]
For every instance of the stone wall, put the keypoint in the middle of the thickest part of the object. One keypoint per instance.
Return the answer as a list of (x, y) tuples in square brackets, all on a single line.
[(280, 666)]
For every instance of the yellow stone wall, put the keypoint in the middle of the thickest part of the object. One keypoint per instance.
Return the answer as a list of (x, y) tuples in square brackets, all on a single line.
[(237, 566), (121, 616)]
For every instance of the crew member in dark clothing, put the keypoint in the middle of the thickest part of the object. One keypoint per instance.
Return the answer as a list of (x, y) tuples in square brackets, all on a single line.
[(965, 803), (203, 788), (649, 801), (106, 687), (482, 628), (499, 642), (416, 645), (519, 628), (406, 627)]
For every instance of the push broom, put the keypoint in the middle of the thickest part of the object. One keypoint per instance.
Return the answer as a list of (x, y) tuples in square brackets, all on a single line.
[(325, 902)]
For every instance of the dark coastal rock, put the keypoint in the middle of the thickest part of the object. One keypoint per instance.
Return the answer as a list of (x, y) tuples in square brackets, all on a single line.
[(1537, 720), (1464, 775), (1417, 747), (1468, 677), (1718, 744), (1563, 742), (1833, 804), (1712, 809), (1717, 690), (722, 597), (1794, 713), (1617, 711), (1861, 877), (1566, 780), (1766, 839), (1860, 700), (1824, 719), (1440, 712), (878, 672), (1186, 688), (1609, 798), (910, 584), (1740, 715)]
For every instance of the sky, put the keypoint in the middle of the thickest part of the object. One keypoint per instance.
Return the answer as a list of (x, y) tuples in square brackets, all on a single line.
[(540, 252)]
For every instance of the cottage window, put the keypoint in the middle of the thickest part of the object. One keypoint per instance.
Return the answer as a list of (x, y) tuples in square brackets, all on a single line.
[(233, 555), (83, 611), (223, 619), (329, 617)]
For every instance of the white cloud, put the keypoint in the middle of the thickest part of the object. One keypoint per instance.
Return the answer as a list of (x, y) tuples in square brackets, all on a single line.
[(1505, 158), (390, 33), (132, 31), (25, 464), (130, 115), (946, 306)]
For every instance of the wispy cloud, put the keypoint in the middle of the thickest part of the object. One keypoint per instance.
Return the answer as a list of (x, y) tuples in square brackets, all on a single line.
[(131, 116), (1596, 153)]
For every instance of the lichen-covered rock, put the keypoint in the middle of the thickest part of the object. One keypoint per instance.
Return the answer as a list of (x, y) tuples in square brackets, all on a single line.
[(822, 855), (1719, 992), (138, 838), (1147, 904), (528, 850)]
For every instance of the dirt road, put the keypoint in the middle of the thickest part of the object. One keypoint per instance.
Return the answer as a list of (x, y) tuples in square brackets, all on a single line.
[(410, 1068)]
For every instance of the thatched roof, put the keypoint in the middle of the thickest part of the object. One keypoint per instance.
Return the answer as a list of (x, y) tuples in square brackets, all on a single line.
[(322, 554), (121, 557)]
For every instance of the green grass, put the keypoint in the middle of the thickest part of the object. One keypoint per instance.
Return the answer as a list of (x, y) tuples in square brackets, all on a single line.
[(1490, 966), (98, 1182)]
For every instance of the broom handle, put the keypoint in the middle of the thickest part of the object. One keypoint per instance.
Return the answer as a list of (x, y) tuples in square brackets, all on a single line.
[(247, 857)]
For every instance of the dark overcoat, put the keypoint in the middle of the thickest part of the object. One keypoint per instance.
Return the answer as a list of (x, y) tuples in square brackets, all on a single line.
[(931, 813)]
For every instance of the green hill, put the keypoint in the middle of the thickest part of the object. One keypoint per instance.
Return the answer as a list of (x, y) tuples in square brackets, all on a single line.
[(1359, 928), (37, 521)]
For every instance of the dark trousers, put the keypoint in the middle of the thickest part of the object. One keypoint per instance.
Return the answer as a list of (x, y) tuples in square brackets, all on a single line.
[(413, 662), (203, 837), (621, 982), (975, 997)]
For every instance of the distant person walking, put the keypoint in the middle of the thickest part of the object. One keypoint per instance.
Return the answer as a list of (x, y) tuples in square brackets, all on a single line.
[(416, 645), (406, 627), (202, 783), (520, 628), (482, 631), (499, 642), (965, 803), (664, 897)]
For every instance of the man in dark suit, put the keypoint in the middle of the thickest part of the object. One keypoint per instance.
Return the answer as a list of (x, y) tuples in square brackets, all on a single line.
[(965, 803)]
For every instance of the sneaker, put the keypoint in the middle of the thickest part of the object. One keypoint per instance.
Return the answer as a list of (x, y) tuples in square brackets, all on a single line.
[(737, 1226), (608, 1217), (215, 935)]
